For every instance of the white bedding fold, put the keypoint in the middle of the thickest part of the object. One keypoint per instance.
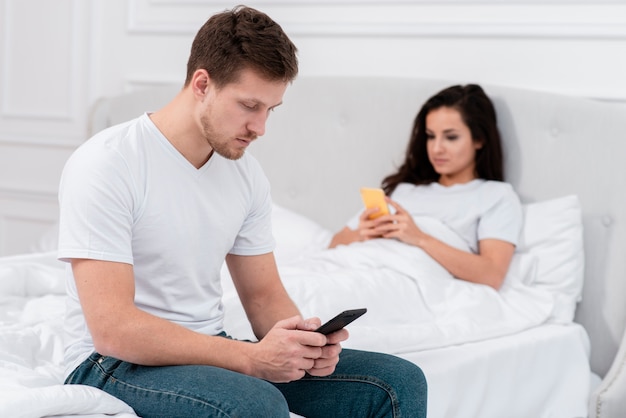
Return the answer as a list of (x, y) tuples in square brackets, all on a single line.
[(32, 305)]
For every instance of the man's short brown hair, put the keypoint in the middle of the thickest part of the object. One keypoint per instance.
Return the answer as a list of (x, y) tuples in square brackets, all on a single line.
[(242, 38)]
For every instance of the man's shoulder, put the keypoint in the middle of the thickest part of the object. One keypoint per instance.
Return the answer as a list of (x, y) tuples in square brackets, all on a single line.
[(105, 152), (114, 135), (113, 141)]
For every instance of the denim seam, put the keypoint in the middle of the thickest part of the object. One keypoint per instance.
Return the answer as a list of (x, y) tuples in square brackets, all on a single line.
[(395, 408), (164, 392)]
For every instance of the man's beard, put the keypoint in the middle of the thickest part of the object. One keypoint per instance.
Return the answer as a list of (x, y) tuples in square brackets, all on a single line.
[(220, 144)]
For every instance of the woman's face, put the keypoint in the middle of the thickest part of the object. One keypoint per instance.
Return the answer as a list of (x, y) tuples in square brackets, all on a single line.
[(450, 146)]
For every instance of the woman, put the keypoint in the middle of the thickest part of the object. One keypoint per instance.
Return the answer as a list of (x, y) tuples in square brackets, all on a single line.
[(453, 172)]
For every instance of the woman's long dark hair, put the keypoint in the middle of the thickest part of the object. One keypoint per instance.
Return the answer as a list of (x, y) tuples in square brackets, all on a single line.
[(478, 113)]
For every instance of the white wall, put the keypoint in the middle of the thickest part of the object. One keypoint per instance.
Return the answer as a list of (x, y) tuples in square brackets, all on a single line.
[(58, 56)]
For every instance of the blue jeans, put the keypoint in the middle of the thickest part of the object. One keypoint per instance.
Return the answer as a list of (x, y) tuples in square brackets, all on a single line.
[(364, 384)]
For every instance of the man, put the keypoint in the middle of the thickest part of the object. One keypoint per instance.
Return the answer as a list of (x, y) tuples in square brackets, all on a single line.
[(151, 208)]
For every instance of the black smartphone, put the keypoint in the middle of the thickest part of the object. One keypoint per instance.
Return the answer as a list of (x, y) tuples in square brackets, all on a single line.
[(340, 321)]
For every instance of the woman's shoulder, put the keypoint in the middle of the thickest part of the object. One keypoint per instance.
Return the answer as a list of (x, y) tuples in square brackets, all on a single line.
[(477, 186), (499, 194), (499, 187)]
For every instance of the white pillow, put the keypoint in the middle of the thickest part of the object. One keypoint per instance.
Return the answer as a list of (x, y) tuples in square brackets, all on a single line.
[(553, 235), (296, 234)]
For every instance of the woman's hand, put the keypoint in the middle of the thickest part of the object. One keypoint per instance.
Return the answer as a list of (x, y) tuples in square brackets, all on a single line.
[(365, 230), (370, 228), (399, 225)]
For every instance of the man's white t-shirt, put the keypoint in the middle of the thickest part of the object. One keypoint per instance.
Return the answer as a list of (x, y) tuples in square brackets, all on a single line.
[(477, 210), (127, 195)]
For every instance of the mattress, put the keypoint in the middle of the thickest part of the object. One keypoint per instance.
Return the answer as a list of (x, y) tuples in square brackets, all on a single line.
[(541, 372)]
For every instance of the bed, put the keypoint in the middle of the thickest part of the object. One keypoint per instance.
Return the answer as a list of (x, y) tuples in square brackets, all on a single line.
[(550, 343)]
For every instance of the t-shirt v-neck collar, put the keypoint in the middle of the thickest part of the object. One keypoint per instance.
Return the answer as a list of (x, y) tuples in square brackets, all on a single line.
[(176, 154)]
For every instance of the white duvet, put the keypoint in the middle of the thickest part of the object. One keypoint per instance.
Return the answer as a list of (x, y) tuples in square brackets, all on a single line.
[(32, 305), (413, 304)]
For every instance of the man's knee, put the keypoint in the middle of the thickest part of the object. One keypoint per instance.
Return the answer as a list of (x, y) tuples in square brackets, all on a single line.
[(403, 382), (264, 401)]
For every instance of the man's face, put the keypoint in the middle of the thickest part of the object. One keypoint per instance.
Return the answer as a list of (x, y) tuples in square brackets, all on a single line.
[(235, 115)]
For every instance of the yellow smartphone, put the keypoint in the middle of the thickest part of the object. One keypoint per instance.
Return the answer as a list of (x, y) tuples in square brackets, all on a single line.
[(374, 198)]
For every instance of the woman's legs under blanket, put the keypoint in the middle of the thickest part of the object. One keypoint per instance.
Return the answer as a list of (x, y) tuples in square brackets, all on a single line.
[(364, 385)]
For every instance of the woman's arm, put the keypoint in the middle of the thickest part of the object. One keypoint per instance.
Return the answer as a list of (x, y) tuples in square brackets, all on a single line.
[(488, 267), (344, 237)]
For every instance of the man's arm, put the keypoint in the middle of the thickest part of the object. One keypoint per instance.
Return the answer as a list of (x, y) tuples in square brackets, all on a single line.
[(261, 291), (121, 330), (266, 301)]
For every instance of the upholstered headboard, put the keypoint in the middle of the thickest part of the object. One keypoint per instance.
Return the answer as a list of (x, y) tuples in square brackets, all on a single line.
[(335, 134)]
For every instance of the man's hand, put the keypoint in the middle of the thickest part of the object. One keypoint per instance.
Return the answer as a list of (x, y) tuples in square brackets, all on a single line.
[(325, 364), (290, 349)]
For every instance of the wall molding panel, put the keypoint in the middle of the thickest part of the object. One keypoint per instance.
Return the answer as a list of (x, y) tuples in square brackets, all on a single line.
[(38, 63), (42, 69), (31, 170), (410, 18), (137, 82), (24, 218)]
